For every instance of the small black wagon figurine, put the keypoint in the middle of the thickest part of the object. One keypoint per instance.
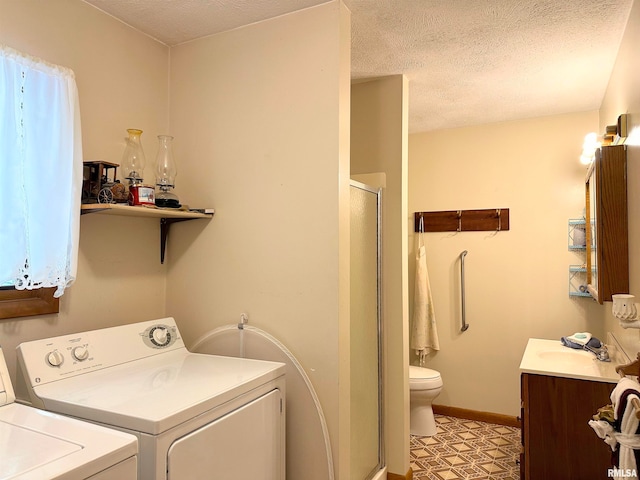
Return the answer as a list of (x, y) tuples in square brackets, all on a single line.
[(99, 183)]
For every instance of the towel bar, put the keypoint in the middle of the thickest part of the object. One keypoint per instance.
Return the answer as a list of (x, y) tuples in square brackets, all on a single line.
[(632, 368), (465, 325)]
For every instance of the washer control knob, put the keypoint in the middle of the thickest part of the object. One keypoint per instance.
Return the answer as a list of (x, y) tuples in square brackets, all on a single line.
[(160, 335), (55, 358), (80, 353)]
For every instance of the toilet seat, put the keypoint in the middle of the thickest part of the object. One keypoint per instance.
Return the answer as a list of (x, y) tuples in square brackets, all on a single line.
[(421, 378)]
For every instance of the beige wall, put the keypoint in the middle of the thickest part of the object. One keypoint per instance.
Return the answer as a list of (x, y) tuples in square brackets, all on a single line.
[(516, 281), (122, 83), (251, 142), (283, 261), (379, 136), (260, 117), (623, 96)]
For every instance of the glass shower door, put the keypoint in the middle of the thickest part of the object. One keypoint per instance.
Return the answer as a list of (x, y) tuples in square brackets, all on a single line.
[(367, 456)]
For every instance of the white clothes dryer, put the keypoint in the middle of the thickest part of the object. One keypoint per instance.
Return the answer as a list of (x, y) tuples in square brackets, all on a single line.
[(42, 445), (195, 416)]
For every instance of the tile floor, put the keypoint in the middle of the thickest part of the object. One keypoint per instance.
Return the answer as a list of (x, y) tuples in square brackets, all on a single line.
[(466, 449)]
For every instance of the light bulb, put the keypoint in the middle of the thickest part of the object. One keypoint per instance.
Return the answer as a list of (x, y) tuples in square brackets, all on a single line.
[(589, 147)]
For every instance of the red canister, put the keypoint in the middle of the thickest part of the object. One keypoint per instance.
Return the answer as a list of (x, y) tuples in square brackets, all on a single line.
[(141, 195)]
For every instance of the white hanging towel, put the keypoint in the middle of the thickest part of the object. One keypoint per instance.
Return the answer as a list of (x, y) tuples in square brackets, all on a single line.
[(624, 413), (424, 335)]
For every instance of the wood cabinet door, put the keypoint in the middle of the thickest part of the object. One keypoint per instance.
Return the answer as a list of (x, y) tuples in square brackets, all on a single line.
[(558, 441)]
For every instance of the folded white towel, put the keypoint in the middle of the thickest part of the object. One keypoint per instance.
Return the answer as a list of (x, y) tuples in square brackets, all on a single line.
[(424, 335)]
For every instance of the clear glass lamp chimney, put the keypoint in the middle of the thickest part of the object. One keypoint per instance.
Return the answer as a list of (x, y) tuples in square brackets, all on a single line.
[(133, 159), (166, 172)]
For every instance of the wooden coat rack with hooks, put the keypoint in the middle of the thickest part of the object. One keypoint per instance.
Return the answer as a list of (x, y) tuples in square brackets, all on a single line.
[(487, 220)]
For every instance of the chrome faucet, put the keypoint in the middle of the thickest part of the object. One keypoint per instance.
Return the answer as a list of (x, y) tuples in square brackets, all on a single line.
[(601, 353)]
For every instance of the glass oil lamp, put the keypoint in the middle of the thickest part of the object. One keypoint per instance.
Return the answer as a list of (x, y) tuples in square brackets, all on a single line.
[(133, 159), (166, 172)]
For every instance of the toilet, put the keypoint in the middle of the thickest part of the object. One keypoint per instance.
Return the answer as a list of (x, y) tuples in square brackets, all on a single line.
[(424, 385)]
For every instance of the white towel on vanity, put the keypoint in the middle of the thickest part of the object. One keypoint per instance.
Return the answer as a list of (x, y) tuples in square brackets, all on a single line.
[(623, 437), (424, 335)]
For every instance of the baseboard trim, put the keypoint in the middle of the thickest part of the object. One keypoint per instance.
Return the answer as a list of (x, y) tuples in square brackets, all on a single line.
[(406, 476), (488, 417)]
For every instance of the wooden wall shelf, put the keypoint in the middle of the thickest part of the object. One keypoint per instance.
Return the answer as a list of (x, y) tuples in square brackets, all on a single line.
[(487, 220), (167, 216), (129, 211)]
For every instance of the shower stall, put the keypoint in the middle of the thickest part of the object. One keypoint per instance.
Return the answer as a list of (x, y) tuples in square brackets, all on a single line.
[(367, 395), (308, 444)]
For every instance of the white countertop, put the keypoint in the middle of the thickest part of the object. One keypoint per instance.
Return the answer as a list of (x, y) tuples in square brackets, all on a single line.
[(550, 357)]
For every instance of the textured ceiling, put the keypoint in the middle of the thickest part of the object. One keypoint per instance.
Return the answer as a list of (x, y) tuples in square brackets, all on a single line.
[(177, 21), (468, 62), (479, 61)]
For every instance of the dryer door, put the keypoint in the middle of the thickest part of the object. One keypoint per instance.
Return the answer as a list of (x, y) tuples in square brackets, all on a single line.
[(245, 443)]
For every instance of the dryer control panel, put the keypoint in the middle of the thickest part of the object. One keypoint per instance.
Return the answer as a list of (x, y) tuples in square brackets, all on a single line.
[(56, 358)]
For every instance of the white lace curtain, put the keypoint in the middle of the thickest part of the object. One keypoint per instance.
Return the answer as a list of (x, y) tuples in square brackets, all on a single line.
[(40, 173)]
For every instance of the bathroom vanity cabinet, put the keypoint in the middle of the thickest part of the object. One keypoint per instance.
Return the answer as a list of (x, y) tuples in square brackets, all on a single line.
[(557, 439)]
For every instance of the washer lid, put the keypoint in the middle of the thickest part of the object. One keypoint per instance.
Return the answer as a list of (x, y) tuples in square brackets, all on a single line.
[(35, 444), (157, 393), (7, 395), (419, 373), (24, 450)]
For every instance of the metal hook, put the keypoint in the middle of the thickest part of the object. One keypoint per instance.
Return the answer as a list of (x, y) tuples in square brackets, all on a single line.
[(459, 220), (498, 213), (421, 224), (244, 319)]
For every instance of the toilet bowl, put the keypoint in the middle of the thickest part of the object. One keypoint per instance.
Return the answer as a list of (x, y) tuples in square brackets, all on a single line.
[(424, 386)]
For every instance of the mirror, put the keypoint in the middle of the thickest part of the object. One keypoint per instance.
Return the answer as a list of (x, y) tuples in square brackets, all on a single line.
[(607, 227), (591, 238)]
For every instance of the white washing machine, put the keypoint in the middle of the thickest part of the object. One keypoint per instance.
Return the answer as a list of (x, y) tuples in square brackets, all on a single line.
[(195, 416), (42, 445)]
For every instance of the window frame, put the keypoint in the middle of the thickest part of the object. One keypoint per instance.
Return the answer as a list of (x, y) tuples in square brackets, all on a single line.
[(26, 303)]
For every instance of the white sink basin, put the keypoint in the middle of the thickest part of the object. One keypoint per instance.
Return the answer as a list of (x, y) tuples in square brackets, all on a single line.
[(572, 356), (550, 357)]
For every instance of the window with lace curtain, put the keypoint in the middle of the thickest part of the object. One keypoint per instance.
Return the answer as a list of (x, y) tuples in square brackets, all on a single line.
[(40, 183)]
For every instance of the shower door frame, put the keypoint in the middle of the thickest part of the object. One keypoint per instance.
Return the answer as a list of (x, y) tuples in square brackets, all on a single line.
[(381, 410)]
